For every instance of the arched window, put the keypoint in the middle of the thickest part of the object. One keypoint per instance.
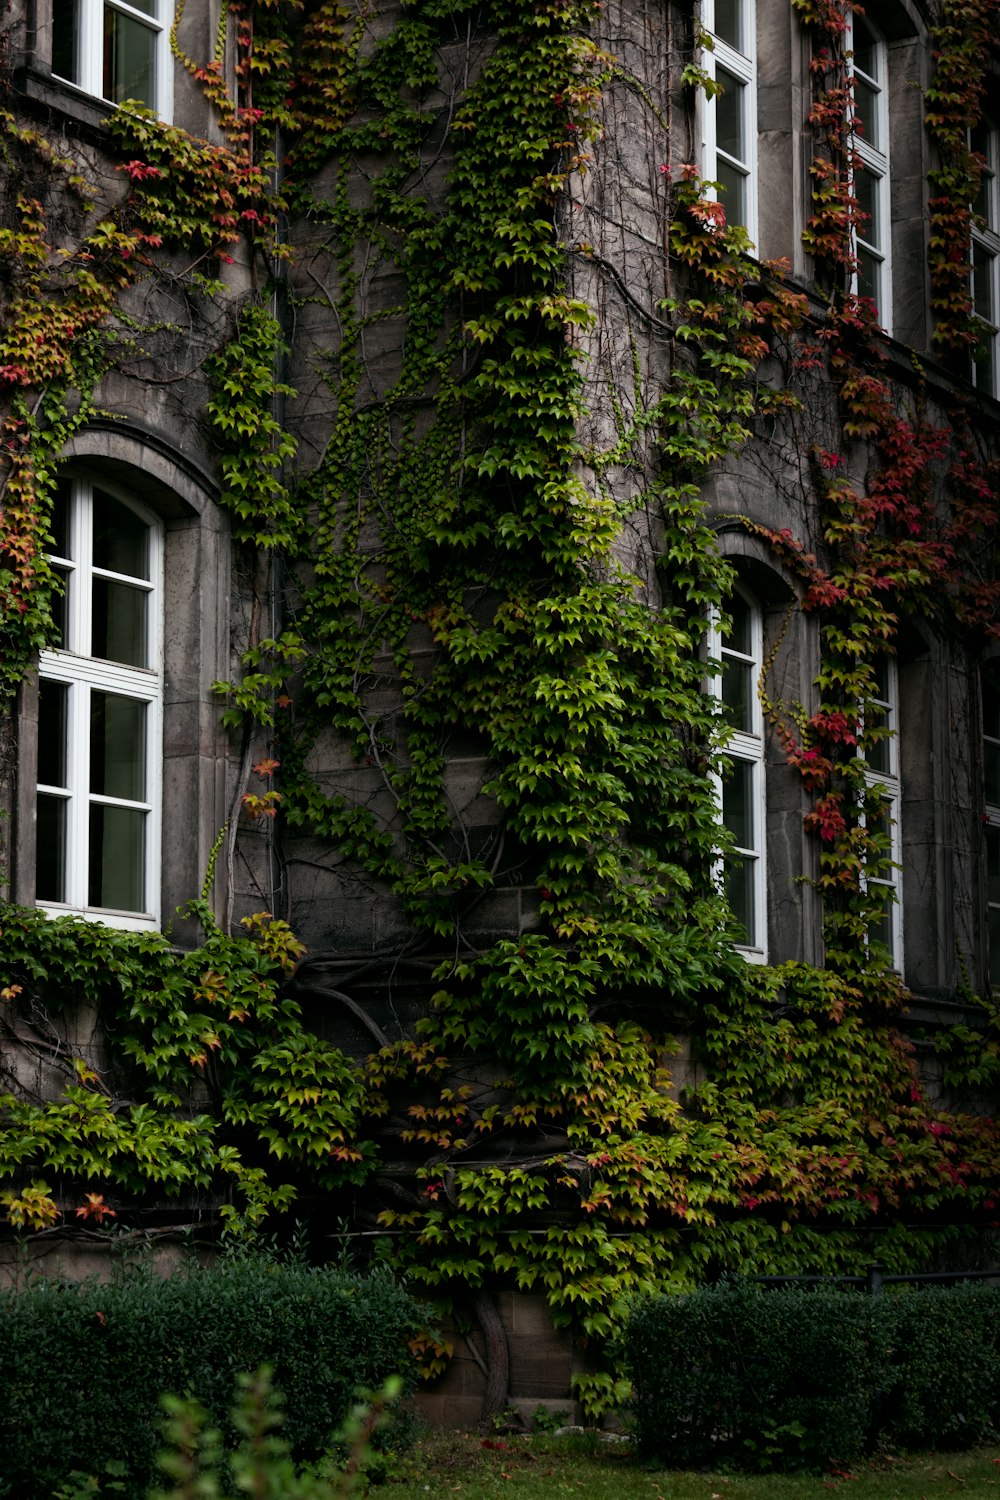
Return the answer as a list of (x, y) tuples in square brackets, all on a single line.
[(730, 117), (737, 644), (99, 713)]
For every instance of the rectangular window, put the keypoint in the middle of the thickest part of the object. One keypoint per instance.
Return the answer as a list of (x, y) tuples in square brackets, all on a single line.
[(881, 749), (730, 116), (738, 648), (114, 49), (99, 701), (991, 780), (985, 140), (868, 73)]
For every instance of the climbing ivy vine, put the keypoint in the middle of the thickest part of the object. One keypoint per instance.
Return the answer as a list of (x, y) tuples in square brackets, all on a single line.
[(460, 594)]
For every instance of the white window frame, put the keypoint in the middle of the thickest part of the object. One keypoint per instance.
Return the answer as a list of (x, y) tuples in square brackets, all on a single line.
[(745, 748), (888, 782), (90, 16), (83, 674), (991, 819), (741, 64), (986, 249), (872, 154)]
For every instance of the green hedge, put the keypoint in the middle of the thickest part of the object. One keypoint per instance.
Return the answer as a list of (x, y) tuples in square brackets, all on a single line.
[(942, 1367), (798, 1378), (83, 1366)]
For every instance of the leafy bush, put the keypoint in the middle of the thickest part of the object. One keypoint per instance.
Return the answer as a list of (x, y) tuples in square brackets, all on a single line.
[(796, 1378), (734, 1374), (942, 1380), (84, 1366)]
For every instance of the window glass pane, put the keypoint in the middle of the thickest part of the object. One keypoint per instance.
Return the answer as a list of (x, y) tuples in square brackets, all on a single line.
[(981, 205), (984, 361), (66, 39), (991, 709), (877, 751), (117, 746), (129, 59), (866, 111), (738, 636), (728, 22), (995, 947), (982, 282), (729, 115), (737, 804), (866, 192), (739, 892), (50, 850), (734, 192), (865, 48), (993, 864), (880, 926), (117, 858), (59, 524), (991, 769), (119, 623), (59, 605), (121, 538), (737, 693), (53, 707), (869, 275)]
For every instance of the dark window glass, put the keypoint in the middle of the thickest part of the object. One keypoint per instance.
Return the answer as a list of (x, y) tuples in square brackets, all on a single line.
[(66, 40), (991, 709), (117, 858), (737, 804), (729, 22), (121, 538), (993, 864), (869, 273), (118, 623), (865, 48), (737, 693), (865, 191), (50, 848), (880, 925), (866, 111), (739, 892), (738, 635), (53, 706), (129, 59), (61, 542), (729, 115), (117, 746), (59, 605), (877, 750)]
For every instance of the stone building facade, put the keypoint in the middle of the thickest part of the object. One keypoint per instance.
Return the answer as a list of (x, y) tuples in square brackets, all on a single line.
[(119, 772)]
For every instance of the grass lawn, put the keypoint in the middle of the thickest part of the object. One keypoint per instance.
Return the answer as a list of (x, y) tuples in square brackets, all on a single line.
[(544, 1468)]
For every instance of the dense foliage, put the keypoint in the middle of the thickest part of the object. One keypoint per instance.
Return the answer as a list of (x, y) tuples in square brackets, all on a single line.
[(802, 1378), (456, 551), (85, 1364)]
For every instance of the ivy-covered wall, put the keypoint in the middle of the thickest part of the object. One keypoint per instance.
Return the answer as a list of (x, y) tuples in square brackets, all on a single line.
[(435, 309)]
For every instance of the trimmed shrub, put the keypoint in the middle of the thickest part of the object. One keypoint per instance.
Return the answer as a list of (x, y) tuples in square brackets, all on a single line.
[(942, 1375), (759, 1379), (84, 1366), (797, 1378)]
